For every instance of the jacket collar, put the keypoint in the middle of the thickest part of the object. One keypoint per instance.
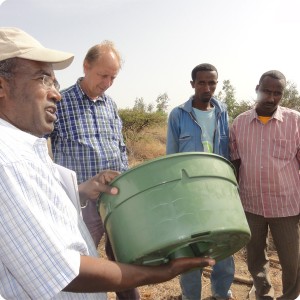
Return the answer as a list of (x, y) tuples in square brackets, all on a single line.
[(187, 106)]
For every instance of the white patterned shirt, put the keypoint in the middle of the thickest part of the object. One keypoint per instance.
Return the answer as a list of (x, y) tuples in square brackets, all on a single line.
[(42, 233)]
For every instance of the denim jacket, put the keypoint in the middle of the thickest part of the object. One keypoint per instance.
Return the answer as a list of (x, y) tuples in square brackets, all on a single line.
[(184, 133)]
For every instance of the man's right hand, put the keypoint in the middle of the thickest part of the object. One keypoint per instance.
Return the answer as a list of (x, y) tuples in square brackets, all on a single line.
[(91, 189)]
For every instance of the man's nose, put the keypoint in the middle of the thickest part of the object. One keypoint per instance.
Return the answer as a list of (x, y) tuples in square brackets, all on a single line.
[(54, 94), (206, 87), (271, 97)]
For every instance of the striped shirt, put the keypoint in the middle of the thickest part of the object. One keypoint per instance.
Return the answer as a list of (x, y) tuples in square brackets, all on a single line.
[(42, 233), (88, 134), (270, 156)]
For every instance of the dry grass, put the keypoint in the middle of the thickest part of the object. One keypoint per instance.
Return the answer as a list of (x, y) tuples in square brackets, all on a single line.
[(149, 144)]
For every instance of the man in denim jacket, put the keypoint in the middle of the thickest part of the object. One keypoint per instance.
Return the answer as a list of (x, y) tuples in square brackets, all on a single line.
[(201, 124)]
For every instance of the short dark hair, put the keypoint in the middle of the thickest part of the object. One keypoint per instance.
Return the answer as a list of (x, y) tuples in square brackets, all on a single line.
[(203, 67), (7, 68), (274, 74)]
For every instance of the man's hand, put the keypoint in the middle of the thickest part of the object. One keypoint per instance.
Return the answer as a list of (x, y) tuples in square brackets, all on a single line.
[(91, 189), (101, 275)]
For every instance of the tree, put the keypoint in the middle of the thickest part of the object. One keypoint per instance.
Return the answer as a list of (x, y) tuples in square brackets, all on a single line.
[(241, 107), (162, 103), (134, 121), (150, 107), (227, 95), (291, 96), (139, 105)]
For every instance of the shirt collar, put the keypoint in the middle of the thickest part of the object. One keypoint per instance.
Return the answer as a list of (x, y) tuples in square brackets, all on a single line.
[(277, 114), (20, 137), (85, 96)]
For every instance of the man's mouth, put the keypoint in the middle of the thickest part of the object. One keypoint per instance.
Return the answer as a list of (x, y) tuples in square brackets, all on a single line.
[(51, 112), (269, 105)]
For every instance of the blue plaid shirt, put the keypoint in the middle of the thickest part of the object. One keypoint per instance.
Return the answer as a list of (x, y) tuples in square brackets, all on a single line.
[(87, 137)]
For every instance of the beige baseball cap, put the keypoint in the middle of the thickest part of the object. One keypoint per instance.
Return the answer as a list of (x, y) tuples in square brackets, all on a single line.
[(14, 42)]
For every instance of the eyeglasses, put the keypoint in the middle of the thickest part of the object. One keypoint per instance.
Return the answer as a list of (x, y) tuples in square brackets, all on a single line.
[(48, 82)]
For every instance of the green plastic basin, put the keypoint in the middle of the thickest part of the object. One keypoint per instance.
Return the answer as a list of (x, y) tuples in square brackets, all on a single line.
[(179, 205)]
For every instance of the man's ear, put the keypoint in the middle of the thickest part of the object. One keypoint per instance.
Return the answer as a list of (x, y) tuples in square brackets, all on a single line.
[(86, 66), (3, 86), (257, 87), (192, 84)]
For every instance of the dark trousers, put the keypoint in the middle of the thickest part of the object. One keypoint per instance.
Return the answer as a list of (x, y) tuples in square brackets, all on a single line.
[(285, 233)]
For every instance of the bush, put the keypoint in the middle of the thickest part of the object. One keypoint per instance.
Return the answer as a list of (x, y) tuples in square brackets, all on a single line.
[(134, 121)]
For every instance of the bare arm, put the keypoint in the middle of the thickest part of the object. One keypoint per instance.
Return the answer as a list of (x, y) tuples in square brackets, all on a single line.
[(100, 275)]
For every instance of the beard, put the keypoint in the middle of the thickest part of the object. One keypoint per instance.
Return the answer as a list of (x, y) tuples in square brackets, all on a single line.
[(205, 99)]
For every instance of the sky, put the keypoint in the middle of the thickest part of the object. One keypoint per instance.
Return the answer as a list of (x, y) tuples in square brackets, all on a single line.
[(161, 41)]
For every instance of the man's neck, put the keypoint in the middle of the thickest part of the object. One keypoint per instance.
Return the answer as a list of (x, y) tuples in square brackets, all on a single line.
[(205, 106), (86, 91)]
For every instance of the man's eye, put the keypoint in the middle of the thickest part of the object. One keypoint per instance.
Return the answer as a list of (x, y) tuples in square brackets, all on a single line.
[(266, 91), (211, 83)]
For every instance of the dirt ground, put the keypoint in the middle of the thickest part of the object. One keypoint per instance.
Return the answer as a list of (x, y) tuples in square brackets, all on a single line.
[(241, 286)]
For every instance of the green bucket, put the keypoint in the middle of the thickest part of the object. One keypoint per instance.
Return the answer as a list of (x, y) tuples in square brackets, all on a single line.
[(179, 205)]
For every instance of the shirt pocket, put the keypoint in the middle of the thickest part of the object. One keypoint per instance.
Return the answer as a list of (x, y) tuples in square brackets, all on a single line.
[(284, 149), (185, 143), (184, 138)]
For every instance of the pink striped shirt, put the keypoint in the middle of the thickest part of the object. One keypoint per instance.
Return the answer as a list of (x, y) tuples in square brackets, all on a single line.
[(269, 179)]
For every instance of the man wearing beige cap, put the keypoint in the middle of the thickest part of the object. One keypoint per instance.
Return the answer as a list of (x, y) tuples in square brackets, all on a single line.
[(45, 248)]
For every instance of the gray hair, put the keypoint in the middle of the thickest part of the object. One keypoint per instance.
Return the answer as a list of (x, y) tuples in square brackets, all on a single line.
[(96, 51), (7, 67)]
